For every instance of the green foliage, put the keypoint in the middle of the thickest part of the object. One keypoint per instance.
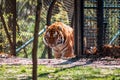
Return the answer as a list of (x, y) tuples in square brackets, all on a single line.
[(14, 72), (59, 73), (80, 73), (113, 23), (23, 70), (62, 15), (2, 69)]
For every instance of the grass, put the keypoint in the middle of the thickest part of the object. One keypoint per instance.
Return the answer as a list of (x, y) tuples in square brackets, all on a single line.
[(24, 72)]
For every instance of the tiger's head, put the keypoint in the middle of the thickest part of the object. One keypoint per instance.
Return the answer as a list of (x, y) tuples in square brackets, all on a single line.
[(54, 34)]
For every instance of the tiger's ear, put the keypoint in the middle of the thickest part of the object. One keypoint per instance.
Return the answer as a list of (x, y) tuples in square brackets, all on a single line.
[(46, 27), (60, 28)]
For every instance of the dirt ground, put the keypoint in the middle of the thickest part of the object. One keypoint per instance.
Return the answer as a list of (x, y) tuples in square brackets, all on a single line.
[(101, 62)]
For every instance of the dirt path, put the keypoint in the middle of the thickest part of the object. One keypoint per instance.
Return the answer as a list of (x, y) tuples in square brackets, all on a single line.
[(103, 62)]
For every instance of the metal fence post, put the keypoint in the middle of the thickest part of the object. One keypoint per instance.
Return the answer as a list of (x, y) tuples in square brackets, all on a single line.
[(100, 24), (78, 28)]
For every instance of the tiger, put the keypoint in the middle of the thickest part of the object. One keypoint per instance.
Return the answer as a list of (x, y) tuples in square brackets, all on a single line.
[(60, 37)]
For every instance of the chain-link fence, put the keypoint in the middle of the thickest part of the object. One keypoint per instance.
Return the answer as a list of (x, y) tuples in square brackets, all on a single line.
[(111, 9)]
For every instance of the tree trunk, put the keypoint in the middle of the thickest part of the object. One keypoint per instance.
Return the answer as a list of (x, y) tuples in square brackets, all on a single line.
[(10, 9), (35, 41), (14, 27)]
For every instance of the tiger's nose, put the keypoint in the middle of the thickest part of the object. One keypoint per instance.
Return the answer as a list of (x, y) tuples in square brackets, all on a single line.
[(52, 45)]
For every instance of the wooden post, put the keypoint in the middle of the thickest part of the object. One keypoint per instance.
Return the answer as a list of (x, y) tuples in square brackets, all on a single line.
[(78, 28), (35, 41), (100, 24), (49, 15)]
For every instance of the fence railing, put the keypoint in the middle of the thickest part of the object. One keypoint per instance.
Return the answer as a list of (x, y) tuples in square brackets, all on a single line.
[(29, 41), (116, 35)]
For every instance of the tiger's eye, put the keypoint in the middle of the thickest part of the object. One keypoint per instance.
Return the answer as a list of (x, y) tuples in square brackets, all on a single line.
[(48, 34)]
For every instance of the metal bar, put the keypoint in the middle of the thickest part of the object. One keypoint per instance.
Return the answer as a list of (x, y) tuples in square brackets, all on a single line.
[(113, 39), (100, 24), (78, 28), (81, 30)]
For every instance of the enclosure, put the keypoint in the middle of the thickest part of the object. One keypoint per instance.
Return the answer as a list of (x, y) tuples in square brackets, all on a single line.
[(95, 22), (24, 56)]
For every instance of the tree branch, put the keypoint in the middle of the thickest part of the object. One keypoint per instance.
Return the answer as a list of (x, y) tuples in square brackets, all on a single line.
[(5, 28)]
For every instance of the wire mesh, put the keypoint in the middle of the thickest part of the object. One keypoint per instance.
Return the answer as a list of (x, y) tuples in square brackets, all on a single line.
[(90, 23), (111, 21)]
